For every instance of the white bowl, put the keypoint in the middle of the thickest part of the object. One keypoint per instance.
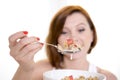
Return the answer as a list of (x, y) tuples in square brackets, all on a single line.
[(61, 73)]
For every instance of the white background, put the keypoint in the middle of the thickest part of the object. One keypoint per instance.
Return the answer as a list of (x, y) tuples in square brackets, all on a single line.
[(35, 15)]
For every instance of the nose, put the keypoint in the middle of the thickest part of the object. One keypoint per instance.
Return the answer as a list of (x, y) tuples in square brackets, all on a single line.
[(73, 36)]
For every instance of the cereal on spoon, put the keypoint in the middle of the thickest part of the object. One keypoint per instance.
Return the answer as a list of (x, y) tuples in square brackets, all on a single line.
[(69, 44)]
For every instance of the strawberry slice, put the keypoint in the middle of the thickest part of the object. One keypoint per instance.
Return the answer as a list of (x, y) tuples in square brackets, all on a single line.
[(70, 77), (69, 41), (75, 45)]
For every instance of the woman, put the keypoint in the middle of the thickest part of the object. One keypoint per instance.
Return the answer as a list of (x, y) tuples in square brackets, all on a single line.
[(71, 22)]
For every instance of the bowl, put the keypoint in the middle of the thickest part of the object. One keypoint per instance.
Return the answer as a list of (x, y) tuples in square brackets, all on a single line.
[(61, 73)]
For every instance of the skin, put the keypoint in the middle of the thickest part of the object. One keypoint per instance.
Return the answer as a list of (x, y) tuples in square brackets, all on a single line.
[(76, 27)]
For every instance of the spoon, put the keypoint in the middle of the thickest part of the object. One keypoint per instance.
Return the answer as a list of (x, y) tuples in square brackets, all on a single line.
[(63, 51)]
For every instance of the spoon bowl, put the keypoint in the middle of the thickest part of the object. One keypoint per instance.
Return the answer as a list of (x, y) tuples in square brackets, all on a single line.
[(64, 51)]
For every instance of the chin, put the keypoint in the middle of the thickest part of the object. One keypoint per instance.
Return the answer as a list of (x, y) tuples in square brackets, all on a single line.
[(74, 56)]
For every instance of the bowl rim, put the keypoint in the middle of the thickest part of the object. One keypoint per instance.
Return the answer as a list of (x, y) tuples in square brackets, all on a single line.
[(45, 74)]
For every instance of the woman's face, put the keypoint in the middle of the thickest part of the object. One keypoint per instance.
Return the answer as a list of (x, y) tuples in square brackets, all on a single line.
[(77, 28)]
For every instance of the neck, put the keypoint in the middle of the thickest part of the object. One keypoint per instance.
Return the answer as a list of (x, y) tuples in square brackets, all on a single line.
[(79, 64)]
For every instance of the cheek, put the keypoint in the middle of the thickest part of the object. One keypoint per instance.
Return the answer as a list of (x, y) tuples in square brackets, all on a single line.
[(61, 39), (86, 42), (87, 39)]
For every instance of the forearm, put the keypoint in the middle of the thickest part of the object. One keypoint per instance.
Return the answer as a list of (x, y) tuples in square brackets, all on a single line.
[(22, 75)]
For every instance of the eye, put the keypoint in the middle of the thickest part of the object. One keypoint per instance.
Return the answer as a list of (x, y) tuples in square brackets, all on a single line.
[(63, 32), (81, 30)]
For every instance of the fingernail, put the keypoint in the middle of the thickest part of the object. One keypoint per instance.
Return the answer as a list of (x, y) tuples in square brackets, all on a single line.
[(25, 32), (42, 43), (38, 38)]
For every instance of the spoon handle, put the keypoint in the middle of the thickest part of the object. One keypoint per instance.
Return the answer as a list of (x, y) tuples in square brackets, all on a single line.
[(51, 45)]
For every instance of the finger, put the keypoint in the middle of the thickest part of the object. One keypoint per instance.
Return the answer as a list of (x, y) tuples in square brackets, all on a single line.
[(27, 59), (26, 41), (31, 47), (23, 43), (32, 52), (28, 51), (14, 37)]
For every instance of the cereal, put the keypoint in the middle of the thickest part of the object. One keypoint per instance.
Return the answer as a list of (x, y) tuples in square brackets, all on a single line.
[(69, 44), (80, 78)]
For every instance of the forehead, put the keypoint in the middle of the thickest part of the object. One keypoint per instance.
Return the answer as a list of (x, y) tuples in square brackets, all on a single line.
[(75, 18)]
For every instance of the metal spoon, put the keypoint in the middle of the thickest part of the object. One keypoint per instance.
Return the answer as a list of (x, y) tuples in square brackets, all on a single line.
[(63, 51)]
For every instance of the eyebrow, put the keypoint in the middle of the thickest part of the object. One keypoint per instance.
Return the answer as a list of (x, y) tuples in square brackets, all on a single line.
[(81, 24)]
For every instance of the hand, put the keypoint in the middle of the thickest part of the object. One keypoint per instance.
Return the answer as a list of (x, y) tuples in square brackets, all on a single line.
[(23, 49)]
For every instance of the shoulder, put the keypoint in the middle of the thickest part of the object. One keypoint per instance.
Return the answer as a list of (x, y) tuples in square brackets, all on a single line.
[(109, 75), (41, 67)]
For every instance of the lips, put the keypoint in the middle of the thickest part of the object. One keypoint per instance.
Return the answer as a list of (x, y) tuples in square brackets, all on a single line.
[(69, 41)]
